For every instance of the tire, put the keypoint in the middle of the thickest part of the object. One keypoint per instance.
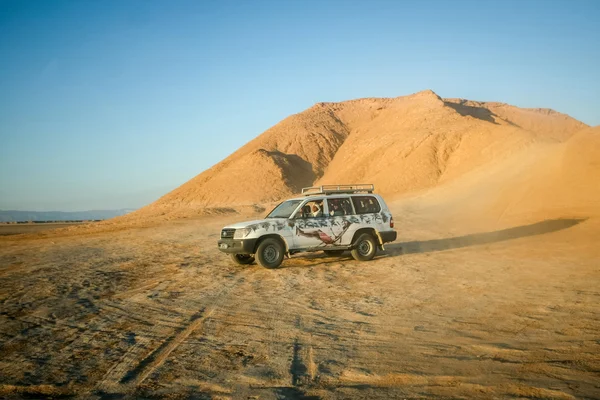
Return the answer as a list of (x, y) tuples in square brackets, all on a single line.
[(333, 253), (270, 253), (242, 259), (365, 247)]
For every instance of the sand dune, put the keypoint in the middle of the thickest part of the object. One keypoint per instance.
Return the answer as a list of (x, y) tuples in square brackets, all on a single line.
[(551, 180), (274, 165), (403, 145)]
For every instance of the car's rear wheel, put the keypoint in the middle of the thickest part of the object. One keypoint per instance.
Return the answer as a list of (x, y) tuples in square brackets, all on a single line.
[(365, 247), (333, 253), (270, 253), (242, 259)]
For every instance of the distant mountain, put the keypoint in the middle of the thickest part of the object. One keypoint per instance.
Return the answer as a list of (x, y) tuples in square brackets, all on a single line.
[(20, 216)]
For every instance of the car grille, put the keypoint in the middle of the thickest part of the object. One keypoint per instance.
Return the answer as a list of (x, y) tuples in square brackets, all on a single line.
[(227, 233)]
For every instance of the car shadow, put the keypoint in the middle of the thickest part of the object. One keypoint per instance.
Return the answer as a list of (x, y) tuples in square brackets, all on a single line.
[(428, 246), (474, 239)]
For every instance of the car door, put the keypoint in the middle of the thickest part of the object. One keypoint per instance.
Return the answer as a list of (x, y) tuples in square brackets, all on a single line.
[(311, 225), (343, 223)]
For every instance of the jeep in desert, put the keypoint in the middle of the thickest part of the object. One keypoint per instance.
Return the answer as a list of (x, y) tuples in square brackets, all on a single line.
[(329, 218)]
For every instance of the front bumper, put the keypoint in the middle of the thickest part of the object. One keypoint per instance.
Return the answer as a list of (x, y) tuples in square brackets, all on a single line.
[(388, 236), (237, 246)]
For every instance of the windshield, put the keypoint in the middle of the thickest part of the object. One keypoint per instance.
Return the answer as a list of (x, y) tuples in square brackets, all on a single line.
[(285, 209)]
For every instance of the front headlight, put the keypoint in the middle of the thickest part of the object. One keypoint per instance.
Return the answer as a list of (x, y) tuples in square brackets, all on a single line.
[(241, 233)]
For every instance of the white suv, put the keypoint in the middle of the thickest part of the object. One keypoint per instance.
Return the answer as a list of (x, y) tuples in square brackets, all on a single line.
[(331, 218)]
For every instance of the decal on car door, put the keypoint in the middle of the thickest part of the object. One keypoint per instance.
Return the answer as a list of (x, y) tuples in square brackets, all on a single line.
[(326, 233)]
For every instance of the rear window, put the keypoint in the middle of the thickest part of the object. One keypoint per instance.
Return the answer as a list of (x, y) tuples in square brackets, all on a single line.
[(366, 204)]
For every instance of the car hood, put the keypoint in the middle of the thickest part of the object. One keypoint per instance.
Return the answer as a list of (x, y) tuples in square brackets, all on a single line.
[(246, 224)]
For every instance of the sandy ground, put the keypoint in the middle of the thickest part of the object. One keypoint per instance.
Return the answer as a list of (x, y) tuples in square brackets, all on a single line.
[(18, 229), (447, 311)]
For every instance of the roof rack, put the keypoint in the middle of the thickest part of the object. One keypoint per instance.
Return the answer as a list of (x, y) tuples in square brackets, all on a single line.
[(336, 189)]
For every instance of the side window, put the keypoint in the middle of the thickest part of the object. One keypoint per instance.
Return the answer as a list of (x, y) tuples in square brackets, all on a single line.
[(366, 204), (312, 209), (339, 207)]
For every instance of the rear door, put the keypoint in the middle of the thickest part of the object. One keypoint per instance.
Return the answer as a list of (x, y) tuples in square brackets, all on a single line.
[(370, 212)]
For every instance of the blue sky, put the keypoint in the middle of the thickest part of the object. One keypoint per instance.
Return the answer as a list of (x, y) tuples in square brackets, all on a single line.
[(110, 104)]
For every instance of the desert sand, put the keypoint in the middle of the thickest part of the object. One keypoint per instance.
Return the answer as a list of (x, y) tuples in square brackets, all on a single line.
[(491, 290), (17, 229)]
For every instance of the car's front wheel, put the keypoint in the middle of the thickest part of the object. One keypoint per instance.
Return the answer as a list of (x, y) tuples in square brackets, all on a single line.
[(242, 259), (365, 247), (270, 253)]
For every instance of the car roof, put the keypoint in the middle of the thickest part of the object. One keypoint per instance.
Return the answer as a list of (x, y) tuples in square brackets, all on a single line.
[(331, 196)]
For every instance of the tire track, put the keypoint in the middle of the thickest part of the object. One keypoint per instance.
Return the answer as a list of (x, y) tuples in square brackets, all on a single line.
[(149, 364), (303, 369), (137, 364), (111, 382)]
